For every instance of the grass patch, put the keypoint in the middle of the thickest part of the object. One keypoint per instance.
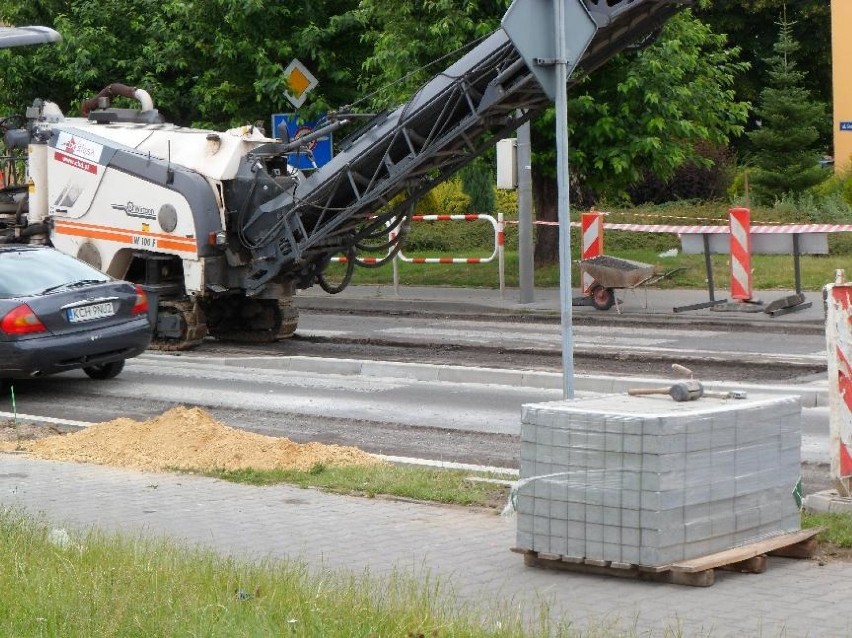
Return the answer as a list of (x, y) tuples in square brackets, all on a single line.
[(101, 585), (450, 487), (837, 528)]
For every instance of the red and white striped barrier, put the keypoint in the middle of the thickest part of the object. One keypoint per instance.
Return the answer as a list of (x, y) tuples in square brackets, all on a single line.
[(498, 239), (592, 226), (838, 311), (783, 229), (740, 224), (498, 252)]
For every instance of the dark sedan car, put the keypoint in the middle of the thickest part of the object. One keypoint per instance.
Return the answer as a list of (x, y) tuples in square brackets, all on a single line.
[(58, 313)]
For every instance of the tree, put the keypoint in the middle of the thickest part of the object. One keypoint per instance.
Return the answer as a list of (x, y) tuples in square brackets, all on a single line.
[(205, 62), (751, 25), (411, 41), (647, 113), (787, 143), (478, 184)]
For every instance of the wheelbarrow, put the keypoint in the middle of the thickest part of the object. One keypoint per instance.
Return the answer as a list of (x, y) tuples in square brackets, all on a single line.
[(610, 274)]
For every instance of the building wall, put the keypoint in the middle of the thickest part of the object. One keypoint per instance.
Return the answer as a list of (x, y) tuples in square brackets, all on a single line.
[(841, 39)]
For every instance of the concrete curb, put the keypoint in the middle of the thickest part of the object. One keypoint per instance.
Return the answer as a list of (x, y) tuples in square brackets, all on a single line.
[(811, 395), (829, 501)]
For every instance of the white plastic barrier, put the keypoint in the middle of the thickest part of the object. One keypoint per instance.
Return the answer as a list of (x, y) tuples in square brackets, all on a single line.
[(497, 253), (838, 308)]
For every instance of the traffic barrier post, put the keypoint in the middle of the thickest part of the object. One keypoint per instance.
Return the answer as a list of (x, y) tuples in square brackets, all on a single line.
[(592, 227), (740, 225), (838, 308)]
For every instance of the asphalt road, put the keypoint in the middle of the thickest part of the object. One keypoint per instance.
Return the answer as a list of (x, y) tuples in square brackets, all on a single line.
[(392, 412)]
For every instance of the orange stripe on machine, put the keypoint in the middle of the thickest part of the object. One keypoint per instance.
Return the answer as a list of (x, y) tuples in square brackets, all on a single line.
[(125, 236)]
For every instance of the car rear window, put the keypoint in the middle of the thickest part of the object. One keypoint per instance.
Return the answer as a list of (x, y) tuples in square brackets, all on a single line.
[(30, 272)]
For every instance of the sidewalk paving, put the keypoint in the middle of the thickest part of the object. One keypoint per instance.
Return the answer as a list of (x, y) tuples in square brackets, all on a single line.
[(634, 304), (466, 550)]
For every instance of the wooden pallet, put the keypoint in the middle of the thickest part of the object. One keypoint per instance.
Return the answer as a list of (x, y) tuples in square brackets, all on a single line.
[(696, 572)]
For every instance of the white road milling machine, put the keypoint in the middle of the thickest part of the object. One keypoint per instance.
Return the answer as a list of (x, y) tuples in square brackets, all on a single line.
[(217, 226)]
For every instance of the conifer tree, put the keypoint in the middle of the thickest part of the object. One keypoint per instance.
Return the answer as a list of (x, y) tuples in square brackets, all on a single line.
[(478, 180), (786, 144)]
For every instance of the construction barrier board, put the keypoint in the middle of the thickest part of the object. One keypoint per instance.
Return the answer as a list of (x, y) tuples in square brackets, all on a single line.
[(839, 347)]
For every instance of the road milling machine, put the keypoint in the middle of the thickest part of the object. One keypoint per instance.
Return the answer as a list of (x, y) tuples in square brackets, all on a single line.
[(218, 227)]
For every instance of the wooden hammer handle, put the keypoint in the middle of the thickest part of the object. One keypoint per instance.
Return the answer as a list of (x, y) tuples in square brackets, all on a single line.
[(642, 391)]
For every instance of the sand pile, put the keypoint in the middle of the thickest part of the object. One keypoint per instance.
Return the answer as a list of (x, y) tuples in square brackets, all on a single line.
[(187, 439)]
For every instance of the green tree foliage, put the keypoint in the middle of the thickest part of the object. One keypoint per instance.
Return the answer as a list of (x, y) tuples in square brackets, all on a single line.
[(787, 143), (751, 25), (645, 112), (205, 62), (478, 179), (649, 110), (410, 42)]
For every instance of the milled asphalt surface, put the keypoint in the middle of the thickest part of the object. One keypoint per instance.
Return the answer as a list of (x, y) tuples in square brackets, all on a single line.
[(467, 551)]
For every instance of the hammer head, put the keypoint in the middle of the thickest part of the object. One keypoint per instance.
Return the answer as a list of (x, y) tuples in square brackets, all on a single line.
[(686, 390)]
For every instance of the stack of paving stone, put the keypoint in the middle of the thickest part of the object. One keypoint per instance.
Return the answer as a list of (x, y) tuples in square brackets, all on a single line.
[(650, 481)]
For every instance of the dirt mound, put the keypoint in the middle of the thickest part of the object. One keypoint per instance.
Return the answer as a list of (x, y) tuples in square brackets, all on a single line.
[(187, 439)]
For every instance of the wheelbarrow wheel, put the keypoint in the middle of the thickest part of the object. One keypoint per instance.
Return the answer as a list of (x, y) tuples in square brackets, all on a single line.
[(602, 298)]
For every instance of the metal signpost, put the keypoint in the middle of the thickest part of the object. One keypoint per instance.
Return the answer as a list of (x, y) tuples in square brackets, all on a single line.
[(526, 262), (552, 62)]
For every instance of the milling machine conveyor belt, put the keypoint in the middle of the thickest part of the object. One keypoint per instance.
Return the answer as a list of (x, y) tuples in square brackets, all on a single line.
[(456, 116)]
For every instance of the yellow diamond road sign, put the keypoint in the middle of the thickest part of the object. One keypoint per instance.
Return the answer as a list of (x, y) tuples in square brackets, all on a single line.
[(300, 81)]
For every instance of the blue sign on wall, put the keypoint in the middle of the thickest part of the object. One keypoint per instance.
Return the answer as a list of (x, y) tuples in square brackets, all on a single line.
[(319, 151), (846, 126)]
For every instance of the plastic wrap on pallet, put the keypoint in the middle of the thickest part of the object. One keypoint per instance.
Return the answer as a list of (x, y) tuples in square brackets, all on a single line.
[(649, 481)]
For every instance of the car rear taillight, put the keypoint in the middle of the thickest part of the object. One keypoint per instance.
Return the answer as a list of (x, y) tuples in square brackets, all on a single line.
[(21, 321), (141, 305)]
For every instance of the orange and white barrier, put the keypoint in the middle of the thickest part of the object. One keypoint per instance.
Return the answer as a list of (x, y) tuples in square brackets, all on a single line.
[(838, 333), (781, 229), (498, 239), (740, 227), (498, 252), (592, 227)]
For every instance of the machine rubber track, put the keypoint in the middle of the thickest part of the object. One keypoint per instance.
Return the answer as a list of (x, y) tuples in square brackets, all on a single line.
[(257, 321), (193, 326)]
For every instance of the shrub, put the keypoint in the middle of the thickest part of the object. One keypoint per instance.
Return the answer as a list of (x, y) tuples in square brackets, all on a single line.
[(706, 179), (836, 185), (447, 198), (456, 237), (808, 206)]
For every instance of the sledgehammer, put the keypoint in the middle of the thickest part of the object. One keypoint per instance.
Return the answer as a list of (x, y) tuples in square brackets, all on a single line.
[(684, 391)]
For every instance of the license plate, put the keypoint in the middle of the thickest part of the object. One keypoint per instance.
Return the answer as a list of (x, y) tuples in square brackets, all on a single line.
[(90, 313)]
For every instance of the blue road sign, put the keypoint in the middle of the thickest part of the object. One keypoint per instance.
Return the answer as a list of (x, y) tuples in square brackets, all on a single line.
[(319, 151), (846, 126)]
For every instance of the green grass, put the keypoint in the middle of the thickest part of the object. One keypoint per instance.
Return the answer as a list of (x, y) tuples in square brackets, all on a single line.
[(422, 484), (103, 585), (837, 528), (770, 272), (97, 584)]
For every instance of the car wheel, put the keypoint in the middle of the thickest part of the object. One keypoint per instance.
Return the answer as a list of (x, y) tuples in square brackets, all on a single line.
[(105, 371)]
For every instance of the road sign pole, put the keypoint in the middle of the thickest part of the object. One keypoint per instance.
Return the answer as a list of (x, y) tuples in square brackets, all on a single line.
[(526, 261), (564, 200)]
